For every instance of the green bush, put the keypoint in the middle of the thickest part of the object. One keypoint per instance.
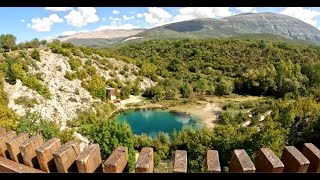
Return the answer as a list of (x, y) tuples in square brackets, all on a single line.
[(75, 63), (231, 105), (248, 104), (25, 101), (91, 70), (96, 86), (35, 54), (70, 76)]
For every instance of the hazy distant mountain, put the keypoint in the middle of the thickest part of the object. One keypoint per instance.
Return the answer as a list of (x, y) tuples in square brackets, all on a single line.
[(99, 38), (248, 25)]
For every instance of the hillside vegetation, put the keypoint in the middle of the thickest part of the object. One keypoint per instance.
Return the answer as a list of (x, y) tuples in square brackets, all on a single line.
[(286, 74), (254, 67)]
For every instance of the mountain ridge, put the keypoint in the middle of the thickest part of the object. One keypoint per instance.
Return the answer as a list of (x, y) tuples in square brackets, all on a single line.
[(233, 26)]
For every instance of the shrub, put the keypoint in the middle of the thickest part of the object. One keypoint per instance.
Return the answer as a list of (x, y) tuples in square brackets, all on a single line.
[(35, 54), (249, 104), (231, 106), (25, 101), (91, 70), (75, 63), (96, 86), (70, 76)]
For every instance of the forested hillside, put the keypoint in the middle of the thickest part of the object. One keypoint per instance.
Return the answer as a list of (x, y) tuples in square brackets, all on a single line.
[(255, 67)]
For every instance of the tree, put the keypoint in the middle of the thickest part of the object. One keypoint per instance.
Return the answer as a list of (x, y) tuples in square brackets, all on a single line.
[(11, 77), (35, 43), (186, 90), (96, 86), (33, 123), (125, 92), (44, 42), (224, 87), (7, 41), (35, 54), (110, 135)]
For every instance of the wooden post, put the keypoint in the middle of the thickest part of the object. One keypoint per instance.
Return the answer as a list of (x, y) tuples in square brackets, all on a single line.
[(294, 160), (89, 160), (117, 161), (65, 157), (3, 147), (145, 161), (9, 166), (241, 162), (212, 163), (180, 162), (13, 147), (28, 151), (45, 155), (312, 153), (267, 161)]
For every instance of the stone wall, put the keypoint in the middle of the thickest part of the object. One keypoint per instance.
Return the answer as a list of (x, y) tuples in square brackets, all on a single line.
[(20, 153)]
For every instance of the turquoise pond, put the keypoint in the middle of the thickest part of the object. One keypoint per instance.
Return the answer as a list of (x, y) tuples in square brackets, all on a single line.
[(151, 122)]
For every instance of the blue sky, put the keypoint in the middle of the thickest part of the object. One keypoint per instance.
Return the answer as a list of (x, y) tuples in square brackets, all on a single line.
[(27, 23)]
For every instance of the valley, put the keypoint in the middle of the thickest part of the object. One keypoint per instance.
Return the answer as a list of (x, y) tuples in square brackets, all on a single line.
[(251, 80)]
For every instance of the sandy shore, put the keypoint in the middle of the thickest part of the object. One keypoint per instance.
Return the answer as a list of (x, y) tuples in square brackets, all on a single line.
[(207, 112)]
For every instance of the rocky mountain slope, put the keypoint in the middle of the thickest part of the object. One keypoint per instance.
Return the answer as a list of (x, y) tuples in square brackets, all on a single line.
[(100, 38), (68, 96), (249, 23)]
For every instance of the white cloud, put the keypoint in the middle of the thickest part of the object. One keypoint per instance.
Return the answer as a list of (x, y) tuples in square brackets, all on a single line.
[(303, 14), (82, 16), (188, 13), (104, 19), (127, 18), (113, 27), (44, 24), (115, 12), (246, 9), (139, 15), (54, 18), (58, 8), (22, 20), (156, 16)]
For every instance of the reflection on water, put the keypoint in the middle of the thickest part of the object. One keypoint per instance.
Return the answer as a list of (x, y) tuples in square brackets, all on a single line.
[(151, 122)]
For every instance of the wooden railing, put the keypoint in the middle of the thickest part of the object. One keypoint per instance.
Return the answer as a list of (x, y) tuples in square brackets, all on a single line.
[(22, 154)]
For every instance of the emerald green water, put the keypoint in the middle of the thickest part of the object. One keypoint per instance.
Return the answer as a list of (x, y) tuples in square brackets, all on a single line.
[(151, 122)]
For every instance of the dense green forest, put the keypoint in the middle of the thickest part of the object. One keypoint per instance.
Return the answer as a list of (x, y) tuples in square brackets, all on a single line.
[(255, 67), (286, 74)]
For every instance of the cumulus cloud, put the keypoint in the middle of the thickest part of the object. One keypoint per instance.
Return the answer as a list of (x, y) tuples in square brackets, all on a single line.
[(127, 18), (115, 12), (44, 24), (22, 20), (246, 9), (139, 15), (82, 16), (156, 16), (113, 27), (188, 13), (58, 8), (303, 14)]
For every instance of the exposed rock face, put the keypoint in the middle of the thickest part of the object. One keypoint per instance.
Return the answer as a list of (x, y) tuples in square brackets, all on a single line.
[(64, 102), (249, 23), (68, 97)]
